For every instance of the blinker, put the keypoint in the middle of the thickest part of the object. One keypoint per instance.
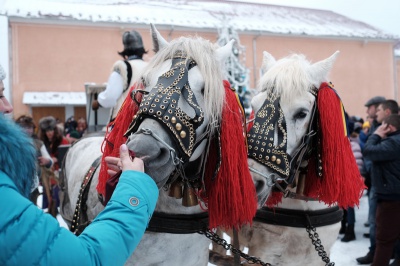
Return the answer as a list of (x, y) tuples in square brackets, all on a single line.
[(163, 99), (269, 119)]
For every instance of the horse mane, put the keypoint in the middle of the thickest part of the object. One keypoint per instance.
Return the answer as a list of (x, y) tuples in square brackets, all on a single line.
[(276, 80), (203, 52)]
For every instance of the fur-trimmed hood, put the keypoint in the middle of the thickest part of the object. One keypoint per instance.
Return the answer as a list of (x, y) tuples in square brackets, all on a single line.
[(17, 156)]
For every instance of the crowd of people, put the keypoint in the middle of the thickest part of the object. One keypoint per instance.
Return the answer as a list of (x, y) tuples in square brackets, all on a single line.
[(49, 137), (376, 146)]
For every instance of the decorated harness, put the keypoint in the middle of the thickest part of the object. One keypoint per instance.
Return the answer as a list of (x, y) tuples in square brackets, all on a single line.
[(270, 122)]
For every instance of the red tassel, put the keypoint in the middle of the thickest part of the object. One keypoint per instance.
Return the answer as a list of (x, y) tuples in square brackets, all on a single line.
[(231, 196), (115, 138), (341, 181), (274, 199)]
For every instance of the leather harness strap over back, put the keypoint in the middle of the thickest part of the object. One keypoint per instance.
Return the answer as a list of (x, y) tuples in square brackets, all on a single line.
[(80, 220), (129, 74), (178, 223), (299, 218)]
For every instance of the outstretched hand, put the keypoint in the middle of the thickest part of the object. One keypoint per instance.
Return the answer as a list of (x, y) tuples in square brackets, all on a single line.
[(123, 163)]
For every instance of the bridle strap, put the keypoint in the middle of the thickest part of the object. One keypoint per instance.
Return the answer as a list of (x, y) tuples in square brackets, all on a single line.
[(80, 220), (175, 159), (298, 155), (179, 163), (273, 180)]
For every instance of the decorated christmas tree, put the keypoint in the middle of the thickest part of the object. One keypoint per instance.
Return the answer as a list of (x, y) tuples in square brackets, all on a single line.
[(235, 70)]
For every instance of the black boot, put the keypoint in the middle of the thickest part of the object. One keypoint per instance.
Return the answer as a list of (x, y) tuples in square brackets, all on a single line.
[(349, 235), (343, 228), (367, 259)]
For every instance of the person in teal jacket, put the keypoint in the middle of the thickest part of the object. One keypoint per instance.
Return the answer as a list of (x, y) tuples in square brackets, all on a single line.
[(28, 236)]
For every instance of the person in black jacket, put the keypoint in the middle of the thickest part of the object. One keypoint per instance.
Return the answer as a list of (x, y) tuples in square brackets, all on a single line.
[(383, 149)]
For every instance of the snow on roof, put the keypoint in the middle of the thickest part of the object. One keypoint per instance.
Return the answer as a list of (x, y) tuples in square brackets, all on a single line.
[(54, 98), (198, 14)]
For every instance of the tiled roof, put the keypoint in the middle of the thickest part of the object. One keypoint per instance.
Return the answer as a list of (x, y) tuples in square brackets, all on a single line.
[(262, 18)]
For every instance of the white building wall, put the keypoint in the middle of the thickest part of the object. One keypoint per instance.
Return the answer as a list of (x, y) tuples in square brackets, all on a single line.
[(4, 55)]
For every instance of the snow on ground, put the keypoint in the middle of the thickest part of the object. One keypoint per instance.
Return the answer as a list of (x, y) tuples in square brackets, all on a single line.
[(343, 254)]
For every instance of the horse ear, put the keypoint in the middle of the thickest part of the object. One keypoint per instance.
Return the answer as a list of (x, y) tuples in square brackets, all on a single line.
[(158, 41), (225, 51), (268, 62), (320, 70)]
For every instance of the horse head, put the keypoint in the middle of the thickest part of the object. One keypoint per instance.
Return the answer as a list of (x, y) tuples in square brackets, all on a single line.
[(284, 121), (180, 107)]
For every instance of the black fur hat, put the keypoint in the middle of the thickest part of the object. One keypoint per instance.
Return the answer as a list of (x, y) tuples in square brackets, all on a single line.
[(47, 123), (132, 40)]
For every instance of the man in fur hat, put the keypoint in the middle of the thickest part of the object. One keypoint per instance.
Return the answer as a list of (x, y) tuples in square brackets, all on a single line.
[(124, 74)]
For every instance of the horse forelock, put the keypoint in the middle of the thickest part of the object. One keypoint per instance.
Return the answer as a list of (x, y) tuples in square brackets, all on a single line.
[(288, 78), (203, 52)]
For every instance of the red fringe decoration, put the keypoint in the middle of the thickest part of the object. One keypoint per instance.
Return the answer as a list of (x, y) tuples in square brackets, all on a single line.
[(115, 138), (274, 198), (341, 181), (231, 196)]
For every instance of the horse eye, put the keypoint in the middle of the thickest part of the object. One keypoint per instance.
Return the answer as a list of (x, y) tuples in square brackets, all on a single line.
[(202, 91), (300, 115), (143, 82)]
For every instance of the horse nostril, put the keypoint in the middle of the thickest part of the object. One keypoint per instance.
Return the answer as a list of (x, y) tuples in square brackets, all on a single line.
[(259, 185)]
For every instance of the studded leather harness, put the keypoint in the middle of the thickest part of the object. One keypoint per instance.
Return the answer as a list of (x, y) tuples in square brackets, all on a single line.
[(270, 120)]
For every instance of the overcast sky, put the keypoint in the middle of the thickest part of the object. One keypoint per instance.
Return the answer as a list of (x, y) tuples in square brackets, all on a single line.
[(383, 14)]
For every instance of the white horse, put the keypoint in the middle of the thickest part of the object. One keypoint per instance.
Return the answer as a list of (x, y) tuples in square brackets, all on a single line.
[(281, 141), (172, 132)]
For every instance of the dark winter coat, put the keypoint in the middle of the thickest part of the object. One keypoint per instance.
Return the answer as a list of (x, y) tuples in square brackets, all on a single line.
[(385, 157)]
